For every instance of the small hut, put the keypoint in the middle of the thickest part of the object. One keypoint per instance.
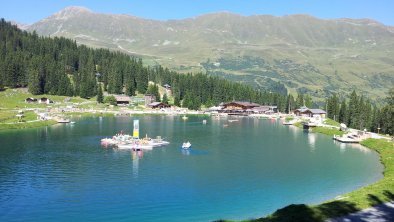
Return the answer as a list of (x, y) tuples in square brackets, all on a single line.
[(122, 100), (30, 100), (45, 100)]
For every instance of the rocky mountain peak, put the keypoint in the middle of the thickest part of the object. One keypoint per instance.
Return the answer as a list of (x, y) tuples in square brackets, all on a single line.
[(71, 11)]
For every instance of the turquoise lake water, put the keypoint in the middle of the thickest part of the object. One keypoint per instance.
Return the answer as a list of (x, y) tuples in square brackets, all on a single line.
[(245, 170)]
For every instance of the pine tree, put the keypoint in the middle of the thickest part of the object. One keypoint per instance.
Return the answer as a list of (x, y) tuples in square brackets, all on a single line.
[(100, 98), (299, 101), (156, 92), (352, 110), (177, 100), (342, 118), (390, 97), (165, 98), (1, 85)]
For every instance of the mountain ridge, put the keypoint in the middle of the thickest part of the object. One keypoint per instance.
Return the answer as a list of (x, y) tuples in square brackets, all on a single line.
[(304, 53)]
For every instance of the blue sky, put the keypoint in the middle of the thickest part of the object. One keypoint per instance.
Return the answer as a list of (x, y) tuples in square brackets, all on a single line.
[(32, 11)]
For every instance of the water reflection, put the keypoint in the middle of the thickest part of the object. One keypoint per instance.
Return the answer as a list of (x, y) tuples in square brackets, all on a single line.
[(359, 147), (136, 155), (312, 141), (186, 152), (294, 131), (344, 146)]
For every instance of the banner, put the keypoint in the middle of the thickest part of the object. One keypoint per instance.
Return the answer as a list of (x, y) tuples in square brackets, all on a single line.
[(136, 130)]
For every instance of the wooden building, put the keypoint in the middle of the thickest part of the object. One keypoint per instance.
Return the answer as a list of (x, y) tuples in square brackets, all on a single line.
[(158, 105), (123, 100), (238, 107), (45, 100), (305, 111), (167, 86), (265, 109), (30, 100)]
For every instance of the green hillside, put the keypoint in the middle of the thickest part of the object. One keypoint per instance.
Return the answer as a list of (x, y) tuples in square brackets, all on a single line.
[(298, 52)]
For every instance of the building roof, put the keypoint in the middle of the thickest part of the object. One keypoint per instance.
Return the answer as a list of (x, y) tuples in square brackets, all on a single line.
[(155, 104), (261, 108), (215, 108), (317, 111), (122, 98), (247, 104), (158, 104), (303, 109), (313, 111), (44, 99)]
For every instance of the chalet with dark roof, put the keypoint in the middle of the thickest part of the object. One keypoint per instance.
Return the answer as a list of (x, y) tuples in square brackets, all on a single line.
[(30, 100), (167, 86), (45, 100), (238, 107), (305, 111), (122, 100), (158, 105)]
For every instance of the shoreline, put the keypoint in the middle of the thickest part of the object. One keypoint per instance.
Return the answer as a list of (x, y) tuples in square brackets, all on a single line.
[(91, 113), (26, 125)]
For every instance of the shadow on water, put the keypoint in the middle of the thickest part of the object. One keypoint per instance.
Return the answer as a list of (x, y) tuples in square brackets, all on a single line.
[(305, 213)]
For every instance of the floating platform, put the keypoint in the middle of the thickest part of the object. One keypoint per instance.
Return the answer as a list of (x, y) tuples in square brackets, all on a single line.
[(135, 146), (346, 139), (63, 121), (128, 142)]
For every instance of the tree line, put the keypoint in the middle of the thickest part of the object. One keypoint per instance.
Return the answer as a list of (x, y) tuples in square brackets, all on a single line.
[(59, 66), (360, 113)]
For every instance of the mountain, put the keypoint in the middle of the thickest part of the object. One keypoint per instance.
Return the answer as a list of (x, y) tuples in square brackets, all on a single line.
[(303, 53)]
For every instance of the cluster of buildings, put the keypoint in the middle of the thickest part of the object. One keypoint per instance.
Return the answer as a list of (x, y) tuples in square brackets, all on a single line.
[(148, 100), (232, 108), (243, 108)]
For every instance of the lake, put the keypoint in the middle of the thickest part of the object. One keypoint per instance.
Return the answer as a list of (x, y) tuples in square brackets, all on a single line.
[(247, 169)]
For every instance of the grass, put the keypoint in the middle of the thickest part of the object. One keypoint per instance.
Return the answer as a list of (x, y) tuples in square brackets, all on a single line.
[(15, 99), (289, 118), (324, 130), (327, 131), (25, 125), (331, 122), (12, 100), (298, 124), (6, 116), (83, 114), (379, 192)]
